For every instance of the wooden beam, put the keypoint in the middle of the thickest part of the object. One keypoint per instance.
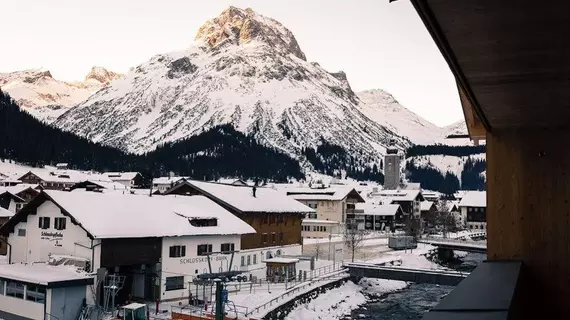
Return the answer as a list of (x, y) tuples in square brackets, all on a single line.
[(475, 127), (528, 211)]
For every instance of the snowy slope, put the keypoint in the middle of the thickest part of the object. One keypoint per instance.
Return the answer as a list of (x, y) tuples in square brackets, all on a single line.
[(445, 163), (243, 69), (459, 127), (46, 98), (384, 109)]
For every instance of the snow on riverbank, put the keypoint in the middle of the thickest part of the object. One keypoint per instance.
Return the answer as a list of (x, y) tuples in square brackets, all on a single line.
[(333, 304), (339, 302)]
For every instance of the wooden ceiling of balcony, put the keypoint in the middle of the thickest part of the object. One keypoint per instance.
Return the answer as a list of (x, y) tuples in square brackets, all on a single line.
[(510, 57)]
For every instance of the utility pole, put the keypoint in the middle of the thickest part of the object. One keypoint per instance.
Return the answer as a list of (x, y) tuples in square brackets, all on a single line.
[(219, 299)]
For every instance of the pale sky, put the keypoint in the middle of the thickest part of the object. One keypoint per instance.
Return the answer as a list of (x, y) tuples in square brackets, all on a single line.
[(378, 44)]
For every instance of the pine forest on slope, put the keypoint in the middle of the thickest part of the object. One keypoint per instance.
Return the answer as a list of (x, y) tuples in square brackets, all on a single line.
[(218, 152)]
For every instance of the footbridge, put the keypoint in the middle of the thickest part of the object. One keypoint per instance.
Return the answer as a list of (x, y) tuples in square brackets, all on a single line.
[(455, 244), (417, 275)]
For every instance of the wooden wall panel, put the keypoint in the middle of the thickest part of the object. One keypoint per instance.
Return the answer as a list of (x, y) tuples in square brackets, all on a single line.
[(528, 209)]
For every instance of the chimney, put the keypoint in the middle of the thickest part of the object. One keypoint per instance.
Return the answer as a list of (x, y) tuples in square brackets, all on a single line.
[(254, 190)]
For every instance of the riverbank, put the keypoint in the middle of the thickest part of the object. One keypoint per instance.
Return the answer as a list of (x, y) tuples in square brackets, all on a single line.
[(382, 299)]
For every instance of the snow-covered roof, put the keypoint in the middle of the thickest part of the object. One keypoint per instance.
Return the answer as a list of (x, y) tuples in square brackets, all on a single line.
[(5, 213), (10, 180), (68, 176), (41, 273), (116, 215), (242, 199), (378, 209), (474, 199), (167, 180), (426, 205), (109, 185), (398, 195), (121, 175), (281, 260), (18, 188), (332, 193), (232, 181)]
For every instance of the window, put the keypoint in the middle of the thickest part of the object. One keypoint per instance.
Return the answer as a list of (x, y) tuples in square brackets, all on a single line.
[(281, 237), (264, 238), (59, 223), (21, 232), (2, 285), (44, 222), (255, 259), (314, 228), (227, 247), (248, 260), (273, 237), (325, 229), (242, 261), (177, 251), (174, 283), (36, 293), (203, 249), (15, 289)]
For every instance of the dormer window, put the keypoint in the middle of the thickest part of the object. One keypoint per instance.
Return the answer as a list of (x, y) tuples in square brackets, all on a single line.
[(203, 222)]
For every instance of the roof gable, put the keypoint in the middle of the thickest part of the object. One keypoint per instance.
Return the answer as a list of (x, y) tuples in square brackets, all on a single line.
[(242, 200)]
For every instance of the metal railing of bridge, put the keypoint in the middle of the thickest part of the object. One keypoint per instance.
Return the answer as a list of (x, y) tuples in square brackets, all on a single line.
[(338, 273)]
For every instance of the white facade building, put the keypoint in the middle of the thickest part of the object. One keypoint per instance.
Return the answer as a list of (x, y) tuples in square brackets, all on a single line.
[(159, 243)]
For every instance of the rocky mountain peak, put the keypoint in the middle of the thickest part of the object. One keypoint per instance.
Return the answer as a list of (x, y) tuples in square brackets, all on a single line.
[(102, 75), (378, 96), (240, 26)]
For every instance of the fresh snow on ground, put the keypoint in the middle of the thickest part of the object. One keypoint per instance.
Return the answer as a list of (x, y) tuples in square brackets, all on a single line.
[(333, 304)]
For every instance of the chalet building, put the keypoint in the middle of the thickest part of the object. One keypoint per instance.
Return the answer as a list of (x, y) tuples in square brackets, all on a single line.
[(428, 212), (14, 198), (333, 206), (5, 215), (275, 217), (60, 180), (128, 179), (380, 217), (473, 207), (409, 199), (160, 185), (159, 244), (42, 291)]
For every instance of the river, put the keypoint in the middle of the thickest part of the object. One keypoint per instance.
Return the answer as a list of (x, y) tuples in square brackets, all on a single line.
[(414, 301)]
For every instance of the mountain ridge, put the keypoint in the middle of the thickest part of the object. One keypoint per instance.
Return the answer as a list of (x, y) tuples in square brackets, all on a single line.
[(244, 69), (37, 92)]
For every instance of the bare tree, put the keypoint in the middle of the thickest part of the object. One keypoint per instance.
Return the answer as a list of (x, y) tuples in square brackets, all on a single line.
[(444, 219), (353, 237), (319, 250)]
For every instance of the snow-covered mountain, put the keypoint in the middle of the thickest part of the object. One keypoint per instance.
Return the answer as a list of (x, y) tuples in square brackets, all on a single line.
[(46, 98), (457, 128), (384, 109), (244, 69)]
